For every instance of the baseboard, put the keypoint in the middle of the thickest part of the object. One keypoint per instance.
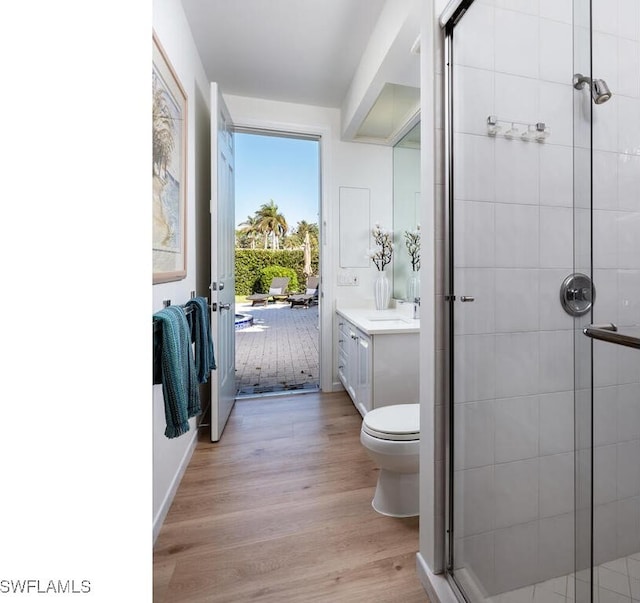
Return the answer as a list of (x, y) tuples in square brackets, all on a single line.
[(435, 585), (337, 386), (158, 520)]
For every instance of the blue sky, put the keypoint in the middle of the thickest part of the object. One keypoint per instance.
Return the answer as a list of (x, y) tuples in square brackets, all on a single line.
[(283, 169)]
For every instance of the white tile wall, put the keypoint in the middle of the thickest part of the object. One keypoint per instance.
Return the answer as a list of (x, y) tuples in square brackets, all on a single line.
[(556, 175), (556, 110), (471, 82), (517, 236), (628, 183), (475, 363), (516, 172), (516, 98), (516, 429), (475, 235), (523, 284), (474, 168), (556, 423), (628, 476), (629, 19), (475, 434), (556, 484), (556, 51), (552, 316), (516, 556), (516, 43), (628, 297), (555, 547), (556, 240), (479, 316), (605, 415), (474, 42), (629, 124), (629, 68), (605, 186), (557, 10)]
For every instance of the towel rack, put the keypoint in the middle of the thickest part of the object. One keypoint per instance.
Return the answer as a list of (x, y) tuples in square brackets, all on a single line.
[(157, 325), (157, 328)]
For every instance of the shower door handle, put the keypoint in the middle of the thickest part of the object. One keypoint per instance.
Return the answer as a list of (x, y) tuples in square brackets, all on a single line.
[(467, 298), (610, 334)]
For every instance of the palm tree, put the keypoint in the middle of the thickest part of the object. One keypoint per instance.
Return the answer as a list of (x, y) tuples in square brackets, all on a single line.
[(163, 131), (271, 222), (302, 229), (250, 229)]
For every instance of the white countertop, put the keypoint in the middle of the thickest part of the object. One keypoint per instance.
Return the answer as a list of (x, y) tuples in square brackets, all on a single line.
[(380, 322)]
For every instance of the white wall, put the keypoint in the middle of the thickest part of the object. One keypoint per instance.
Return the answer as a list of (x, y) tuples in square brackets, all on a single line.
[(431, 321), (377, 66), (170, 456)]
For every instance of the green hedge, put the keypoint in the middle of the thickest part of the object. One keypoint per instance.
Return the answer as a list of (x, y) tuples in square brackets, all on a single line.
[(249, 263), (270, 272)]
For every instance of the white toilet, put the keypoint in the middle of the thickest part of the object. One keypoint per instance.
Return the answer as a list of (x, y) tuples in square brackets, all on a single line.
[(391, 435)]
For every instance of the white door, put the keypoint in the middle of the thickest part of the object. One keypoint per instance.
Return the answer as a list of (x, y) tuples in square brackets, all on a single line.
[(223, 387)]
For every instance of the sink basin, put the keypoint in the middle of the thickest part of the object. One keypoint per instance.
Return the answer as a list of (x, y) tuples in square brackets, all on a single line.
[(387, 319)]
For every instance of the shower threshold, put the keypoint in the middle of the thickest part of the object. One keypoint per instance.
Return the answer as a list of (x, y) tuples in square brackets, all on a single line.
[(616, 581)]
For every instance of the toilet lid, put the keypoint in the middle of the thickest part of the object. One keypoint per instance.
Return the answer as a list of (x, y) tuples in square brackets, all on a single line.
[(396, 422)]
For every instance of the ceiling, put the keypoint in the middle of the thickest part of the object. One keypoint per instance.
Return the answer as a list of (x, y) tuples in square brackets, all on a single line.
[(301, 51)]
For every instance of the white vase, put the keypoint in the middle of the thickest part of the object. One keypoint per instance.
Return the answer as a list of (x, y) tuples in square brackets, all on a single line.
[(382, 291), (413, 286)]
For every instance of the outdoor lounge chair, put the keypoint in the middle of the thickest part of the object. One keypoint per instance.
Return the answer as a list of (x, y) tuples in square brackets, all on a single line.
[(277, 290), (310, 296)]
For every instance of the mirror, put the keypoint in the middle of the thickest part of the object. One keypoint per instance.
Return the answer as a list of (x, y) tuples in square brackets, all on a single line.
[(406, 204)]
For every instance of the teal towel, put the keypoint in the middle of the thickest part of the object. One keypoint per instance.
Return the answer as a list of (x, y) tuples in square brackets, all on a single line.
[(201, 330), (179, 381)]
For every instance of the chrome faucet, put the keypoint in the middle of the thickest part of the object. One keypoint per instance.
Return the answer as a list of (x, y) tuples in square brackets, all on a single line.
[(416, 307)]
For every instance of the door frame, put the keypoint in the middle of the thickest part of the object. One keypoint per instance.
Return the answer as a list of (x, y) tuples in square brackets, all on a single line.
[(325, 301)]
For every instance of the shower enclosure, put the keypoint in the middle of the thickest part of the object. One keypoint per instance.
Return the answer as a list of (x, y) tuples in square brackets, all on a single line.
[(543, 294)]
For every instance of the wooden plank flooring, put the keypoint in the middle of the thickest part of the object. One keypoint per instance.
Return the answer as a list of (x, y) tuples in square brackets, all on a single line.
[(280, 511)]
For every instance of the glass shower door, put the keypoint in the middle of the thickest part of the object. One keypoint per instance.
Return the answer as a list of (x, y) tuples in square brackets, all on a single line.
[(607, 248), (512, 512), (543, 289)]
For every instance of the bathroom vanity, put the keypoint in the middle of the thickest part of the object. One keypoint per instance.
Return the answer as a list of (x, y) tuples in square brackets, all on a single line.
[(378, 357)]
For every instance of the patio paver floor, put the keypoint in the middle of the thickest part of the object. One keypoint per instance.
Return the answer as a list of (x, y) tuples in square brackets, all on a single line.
[(279, 352)]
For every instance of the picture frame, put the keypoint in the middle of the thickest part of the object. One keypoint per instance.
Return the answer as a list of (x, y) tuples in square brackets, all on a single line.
[(169, 172)]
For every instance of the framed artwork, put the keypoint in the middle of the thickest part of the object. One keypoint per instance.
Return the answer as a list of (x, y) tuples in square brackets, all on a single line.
[(169, 170)]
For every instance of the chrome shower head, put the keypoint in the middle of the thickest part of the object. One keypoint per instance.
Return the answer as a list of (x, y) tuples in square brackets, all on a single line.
[(599, 90)]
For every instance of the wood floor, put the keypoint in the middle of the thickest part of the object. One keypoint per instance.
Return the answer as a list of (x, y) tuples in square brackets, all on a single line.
[(280, 511)]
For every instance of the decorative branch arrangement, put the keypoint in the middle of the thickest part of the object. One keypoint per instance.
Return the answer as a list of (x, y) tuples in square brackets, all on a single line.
[(384, 239), (412, 239)]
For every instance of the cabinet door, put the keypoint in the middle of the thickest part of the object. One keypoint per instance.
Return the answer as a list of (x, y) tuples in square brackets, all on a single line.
[(343, 353), (363, 382), (352, 364)]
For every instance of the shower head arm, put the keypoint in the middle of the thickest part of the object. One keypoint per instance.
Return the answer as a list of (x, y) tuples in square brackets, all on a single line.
[(580, 81), (599, 90)]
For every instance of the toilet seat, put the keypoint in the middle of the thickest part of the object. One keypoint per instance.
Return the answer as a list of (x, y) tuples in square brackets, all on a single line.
[(398, 422)]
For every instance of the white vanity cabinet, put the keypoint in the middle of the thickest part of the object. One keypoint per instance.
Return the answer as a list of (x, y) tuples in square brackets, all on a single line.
[(354, 363), (377, 360)]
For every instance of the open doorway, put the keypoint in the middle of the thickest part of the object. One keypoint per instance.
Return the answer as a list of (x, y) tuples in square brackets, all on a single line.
[(277, 191)]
